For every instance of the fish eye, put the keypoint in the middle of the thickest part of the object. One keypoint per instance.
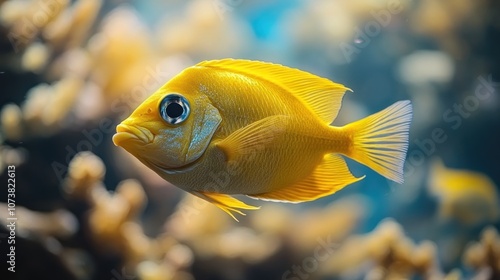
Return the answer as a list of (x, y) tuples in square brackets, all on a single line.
[(174, 108)]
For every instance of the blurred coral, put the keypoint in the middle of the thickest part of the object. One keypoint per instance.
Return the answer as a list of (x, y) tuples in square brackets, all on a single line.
[(199, 31), (11, 156), (343, 216), (442, 20), (45, 109), (112, 221), (94, 75), (11, 120), (75, 67), (484, 256), (392, 255), (59, 223)]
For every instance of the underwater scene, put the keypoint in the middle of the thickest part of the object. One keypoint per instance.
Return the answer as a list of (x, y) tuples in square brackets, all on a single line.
[(249, 139)]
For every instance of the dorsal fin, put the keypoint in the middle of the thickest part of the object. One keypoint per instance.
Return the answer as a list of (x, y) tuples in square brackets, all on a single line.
[(322, 96)]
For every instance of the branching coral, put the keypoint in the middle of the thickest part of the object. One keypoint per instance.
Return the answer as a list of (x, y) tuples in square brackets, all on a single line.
[(335, 221), (484, 256), (87, 72), (11, 121), (199, 232), (392, 255), (111, 218), (113, 226), (11, 156), (27, 19), (91, 65), (44, 110), (59, 223), (396, 256), (208, 231), (441, 20)]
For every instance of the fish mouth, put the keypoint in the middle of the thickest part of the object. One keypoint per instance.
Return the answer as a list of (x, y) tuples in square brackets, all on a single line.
[(130, 133)]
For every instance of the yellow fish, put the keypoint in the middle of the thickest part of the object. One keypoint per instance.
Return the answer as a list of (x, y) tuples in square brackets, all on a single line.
[(229, 126), (469, 196)]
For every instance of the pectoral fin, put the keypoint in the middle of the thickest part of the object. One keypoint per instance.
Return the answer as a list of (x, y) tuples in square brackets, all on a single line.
[(226, 203), (331, 175), (253, 137)]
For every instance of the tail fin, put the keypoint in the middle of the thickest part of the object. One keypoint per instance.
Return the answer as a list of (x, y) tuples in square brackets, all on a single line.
[(380, 141)]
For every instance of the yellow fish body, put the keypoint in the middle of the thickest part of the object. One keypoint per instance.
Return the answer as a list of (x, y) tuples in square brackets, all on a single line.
[(469, 196), (260, 129)]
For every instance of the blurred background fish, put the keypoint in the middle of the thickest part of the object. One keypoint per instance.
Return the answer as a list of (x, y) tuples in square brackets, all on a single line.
[(468, 196), (70, 71)]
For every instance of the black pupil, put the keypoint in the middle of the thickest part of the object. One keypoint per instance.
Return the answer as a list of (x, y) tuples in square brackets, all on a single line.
[(174, 110)]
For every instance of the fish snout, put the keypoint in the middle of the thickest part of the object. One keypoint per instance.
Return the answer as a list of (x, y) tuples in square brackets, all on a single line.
[(132, 133)]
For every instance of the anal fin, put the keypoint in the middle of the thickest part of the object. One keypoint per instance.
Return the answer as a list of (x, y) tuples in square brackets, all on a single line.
[(225, 202), (331, 175)]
